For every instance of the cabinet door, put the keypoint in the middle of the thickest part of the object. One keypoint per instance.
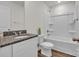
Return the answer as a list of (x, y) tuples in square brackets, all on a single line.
[(17, 18), (4, 18), (26, 48), (6, 51), (77, 16)]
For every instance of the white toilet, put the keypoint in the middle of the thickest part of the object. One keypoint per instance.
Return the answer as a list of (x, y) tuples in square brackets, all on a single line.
[(46, 47)]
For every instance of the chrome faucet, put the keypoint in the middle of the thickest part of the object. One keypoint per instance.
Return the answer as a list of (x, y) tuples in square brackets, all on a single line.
[(76, 39)]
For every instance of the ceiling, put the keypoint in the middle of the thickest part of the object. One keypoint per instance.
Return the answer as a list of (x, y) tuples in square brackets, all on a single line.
[(48, 3), (53, 3), (19, 2)]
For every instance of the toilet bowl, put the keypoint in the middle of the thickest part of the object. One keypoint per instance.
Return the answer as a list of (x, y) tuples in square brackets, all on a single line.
[(46, 48)]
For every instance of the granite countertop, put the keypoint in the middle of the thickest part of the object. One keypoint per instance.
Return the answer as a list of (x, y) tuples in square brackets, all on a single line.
[(8, 40)]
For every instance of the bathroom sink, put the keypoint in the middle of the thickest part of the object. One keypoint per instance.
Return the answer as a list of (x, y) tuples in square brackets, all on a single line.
[(21, 37)]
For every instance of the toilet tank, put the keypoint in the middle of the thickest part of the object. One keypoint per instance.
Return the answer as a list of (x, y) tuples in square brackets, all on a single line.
[(41, 38)]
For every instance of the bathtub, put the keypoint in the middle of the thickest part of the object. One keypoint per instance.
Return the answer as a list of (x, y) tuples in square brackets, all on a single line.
[(63, 44)]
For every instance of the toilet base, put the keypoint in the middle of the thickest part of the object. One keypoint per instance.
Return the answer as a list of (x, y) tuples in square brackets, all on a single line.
[(45, 52)]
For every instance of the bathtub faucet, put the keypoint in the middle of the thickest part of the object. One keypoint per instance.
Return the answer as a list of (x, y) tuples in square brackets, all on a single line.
[(76, 39)]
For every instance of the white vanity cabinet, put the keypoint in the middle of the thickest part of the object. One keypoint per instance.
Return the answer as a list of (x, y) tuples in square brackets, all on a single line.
[(27, 48), (6, 51)]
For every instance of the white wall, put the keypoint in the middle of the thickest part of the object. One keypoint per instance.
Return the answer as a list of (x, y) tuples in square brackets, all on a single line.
[(18, 21), (35, 16), (14, 15)]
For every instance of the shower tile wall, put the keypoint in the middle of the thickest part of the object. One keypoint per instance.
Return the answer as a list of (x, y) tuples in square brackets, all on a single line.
[(62, 25), (62, 19)]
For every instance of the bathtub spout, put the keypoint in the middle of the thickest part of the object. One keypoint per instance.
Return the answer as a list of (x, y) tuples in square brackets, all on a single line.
[(76, 39)]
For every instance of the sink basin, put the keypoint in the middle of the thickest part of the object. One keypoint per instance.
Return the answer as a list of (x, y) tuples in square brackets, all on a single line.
[(21, 37)]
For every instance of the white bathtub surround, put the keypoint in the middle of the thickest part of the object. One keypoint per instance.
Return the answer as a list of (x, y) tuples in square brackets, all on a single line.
[(60, 38), (63, 13)]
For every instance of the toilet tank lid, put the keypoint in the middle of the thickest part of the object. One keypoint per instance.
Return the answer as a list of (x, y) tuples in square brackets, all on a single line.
[(47, 44)]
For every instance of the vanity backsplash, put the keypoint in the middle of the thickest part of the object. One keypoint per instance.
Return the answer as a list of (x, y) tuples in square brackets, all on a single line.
[(17, 32)]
